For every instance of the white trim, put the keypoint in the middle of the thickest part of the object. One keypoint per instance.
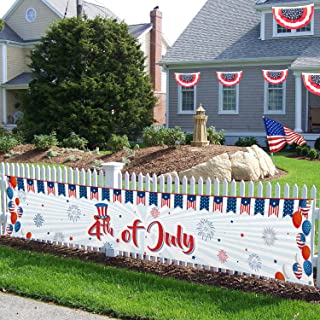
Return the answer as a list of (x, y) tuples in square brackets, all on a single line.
[(180, 111), (4, 63), (298, 102), (263, 26), (26, 15), (220, 110), (292, 33), (307, 126), (167, 95), (48, 4), (4, 105), (296, 3), (266, 99), (11, 9)]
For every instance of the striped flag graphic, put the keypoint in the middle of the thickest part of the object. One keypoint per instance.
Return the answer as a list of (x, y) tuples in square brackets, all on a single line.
[(94, 193), (72, 191), (304, 207), (191, 202), (165, 199), (217, 204), (51, 188), (273, 207), (141, 197), (30, 185), (245, 205), (117, 195)]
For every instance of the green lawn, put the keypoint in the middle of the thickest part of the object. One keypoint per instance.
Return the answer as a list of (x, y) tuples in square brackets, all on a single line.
[(123, 293)]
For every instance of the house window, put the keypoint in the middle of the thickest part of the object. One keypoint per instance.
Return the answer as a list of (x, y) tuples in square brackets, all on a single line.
[(187, 100), (228, 99), (274, 98), (279, 31)]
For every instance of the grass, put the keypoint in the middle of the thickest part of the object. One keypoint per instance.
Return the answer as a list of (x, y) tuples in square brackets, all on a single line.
[(124, 293)]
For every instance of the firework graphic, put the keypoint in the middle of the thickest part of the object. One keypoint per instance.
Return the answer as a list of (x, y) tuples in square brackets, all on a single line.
[(58, 236), (22, 196), (205, 229), (74, 213), (107, 246), (222, 255), (254, 262), (269, 236), (155, 212), (38, 220)]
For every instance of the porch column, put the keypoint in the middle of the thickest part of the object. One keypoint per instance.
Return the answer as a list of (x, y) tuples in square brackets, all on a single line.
[(4, 105), (298, 102), (4, 79)]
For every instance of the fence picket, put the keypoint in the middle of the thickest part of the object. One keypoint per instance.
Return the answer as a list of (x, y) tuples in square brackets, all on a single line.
[(286, 193), (192, 185), (89, 177), (242, 188), (251, 189), (82, 176), (133, 181), (11, 170), (7, 169), (53, 174), (225, 187), (176, 184), (154, 183), (162, 185), (101, 178), (76, 176), (127, 180), (70, 176), (277, 190), (65, 175), (169, 183), (304, 192), (200, 186), (140, 181), (216, 187), (94, 178), (269, 190), (148, 182), (208, 187), (295, 191), (38, 172), (260, 190), (184, 185), (22, 171), (27, 171), (233, 188)]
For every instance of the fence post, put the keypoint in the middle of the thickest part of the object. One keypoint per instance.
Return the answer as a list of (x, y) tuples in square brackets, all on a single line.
[(112, 170)]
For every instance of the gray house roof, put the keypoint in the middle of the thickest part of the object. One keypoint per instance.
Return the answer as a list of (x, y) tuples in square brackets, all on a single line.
[(22, 79), (138, 29), (309, 59), (230, 30), (8, 34), (280, 2)]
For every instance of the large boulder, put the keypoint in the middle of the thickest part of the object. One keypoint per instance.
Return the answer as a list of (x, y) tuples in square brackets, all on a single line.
[(250, 165)]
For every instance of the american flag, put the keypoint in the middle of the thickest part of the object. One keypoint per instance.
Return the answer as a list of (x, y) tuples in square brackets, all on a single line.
[(304, 207), (217, 204), (51, 188), (278, 135), (165, 199), (274, 207), (30, 185), (94, 193), (141, 197), (72, 191), (117, 195), (245, 205), (191, 202)]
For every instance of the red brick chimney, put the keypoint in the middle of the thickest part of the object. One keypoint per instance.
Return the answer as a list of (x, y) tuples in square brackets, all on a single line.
[(156, 48)]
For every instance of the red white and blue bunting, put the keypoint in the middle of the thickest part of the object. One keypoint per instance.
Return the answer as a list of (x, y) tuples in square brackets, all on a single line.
[(312, 82), (187, 80), (275, 76), (229, 79), (293, 17)]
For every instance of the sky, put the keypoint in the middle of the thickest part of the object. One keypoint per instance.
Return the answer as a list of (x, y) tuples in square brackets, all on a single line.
[(176, 14)]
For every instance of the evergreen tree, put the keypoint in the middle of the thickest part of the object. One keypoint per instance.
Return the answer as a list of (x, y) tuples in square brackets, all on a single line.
[(89, 79)]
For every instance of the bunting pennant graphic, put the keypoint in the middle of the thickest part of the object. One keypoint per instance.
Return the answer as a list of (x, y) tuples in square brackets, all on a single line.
[(229, 79), (304, 207), (312, 82), (178, 201), (274, 207), (275, 76), (117, 195), (165, 199), (128, 195), (20, 184), (105, 194), (141, 197), (94, 193), (204, 203), (51, 188), (245, 205), (30, 185), (259, 207), (72, 192), (153, 199), (191, 202), (293, 17), (40, 186), (217, 204), (83, 192), (187, 80), (61, 189), (288, 208), (232, 205)]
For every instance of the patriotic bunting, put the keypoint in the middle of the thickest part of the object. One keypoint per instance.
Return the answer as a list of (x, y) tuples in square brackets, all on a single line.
[(72, 192), (278, 135), (229, 79), (51, 188), (141, 197), (275, 76), (165, 199), (312, 82), (217, 204), (187, 80), (30, 185), (94, 193), (191, 202), (293, 17)]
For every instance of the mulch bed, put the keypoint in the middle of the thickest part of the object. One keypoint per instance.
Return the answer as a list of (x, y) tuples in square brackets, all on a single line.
[(238, 282)]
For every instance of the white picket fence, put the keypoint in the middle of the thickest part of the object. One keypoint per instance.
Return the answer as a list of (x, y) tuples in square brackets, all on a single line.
[(111, 177)]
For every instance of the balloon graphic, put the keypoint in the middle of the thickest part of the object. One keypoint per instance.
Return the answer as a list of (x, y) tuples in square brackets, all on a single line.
[(29, 235), (11, 206), (301, 240), (297, 270), (306, 252), (17, 226), (10, 193), (307, 267), (20, 212), (14, 217), (306, 227), (9, 229), (279, 276), (13, 181), (297, 219), (17, 201)]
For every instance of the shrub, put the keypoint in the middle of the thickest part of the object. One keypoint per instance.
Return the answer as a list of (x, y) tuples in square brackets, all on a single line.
[(75, 141), (299, 150), (51, 154), (313, 154), (215, 137), (189, 138), (44, 142), (173, 136), (152, 136), (305, 151), (8, 142), (246, 141), (117, 143), (317, 144), (3, 131)]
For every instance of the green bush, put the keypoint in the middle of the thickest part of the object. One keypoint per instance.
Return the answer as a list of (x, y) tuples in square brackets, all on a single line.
[(154, 136), (299, 150), (313, 154), (75, 141), (215, 137), (305, 151), (117, 143), (8, 142), (189, 138), (246, 141), (44, 142), (317, 144)]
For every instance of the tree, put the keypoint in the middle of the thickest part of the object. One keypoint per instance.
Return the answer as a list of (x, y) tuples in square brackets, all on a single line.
[(89, 79), (1, 24)]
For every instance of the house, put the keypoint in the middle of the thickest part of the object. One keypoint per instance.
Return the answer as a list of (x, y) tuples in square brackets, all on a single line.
[(27, 21), (242, 35)]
